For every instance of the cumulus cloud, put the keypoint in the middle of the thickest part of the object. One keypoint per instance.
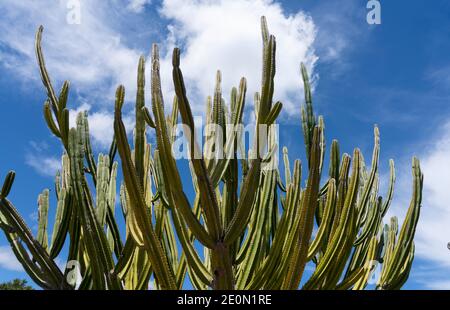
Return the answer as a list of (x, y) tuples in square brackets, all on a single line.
[(8, 260), (38, 159), (92, 55), (440, 77), (137, 6), (226, 35), (430, 276), (433, 231), (438, 285), (46, 166), (339, 31), (98, 54), (101, 124), (101, 130)]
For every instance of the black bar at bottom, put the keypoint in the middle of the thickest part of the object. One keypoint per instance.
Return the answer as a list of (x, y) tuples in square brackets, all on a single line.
[(222, 299)]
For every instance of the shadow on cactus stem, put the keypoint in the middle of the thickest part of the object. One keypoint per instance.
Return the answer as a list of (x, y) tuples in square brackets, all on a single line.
[(254, 226)]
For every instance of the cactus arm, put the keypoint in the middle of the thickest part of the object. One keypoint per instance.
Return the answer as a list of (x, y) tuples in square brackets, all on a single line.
[(64, 208), (350, 281), (322, 144), (125, 259), (341, 192), (112, 151), (88, 148), (143, 268), (57, 105), (208, 199), (102, 189), (256, 235), (209, 138), (338, 240), (362, 283), (22, 255), (342, 257), (334, 161), (218, 119), (194, 278), (220, 258), (139, 143), (11, 221), (220, 168), (401, 251), (371, 228), (95, 239), (49, 119), (306, 217), (51, 271), (404, 273), (63, 96), (287, 169), (169, 171), (245, 243), (193, 260), (158, 258), (287, 245), (308, 119), (159, 180), (181, 271), (390, 233), (61, 225), (35, 273), (371, 225), (362, 205), (244, 208), (43, 205), (75, 236), (269, 47), (113, 234), (390, 192), (273, 114), (325, 226), (64, 127), (7, 184), (148, 117), (174, 116), (44, 74), (281, 238), (172, 246)]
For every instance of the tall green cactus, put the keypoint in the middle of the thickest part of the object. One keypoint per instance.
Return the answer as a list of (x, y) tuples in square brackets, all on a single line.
[(256, 230)]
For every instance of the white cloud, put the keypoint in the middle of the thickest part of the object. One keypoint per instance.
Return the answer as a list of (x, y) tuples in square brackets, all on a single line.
[(137, 6), (36, 157), (46, 166), (438, 285), (96, 55), (433, 231), (101, 124), (92, 55), (440, 76), (8, 260), (340, 29), (430, 276), (433, 228), (226, 35)]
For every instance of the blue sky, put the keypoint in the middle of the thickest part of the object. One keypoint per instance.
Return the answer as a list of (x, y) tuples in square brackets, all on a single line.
[(396, 75)]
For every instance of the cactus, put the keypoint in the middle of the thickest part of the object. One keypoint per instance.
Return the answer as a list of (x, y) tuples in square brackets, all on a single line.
[(256, 230)]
